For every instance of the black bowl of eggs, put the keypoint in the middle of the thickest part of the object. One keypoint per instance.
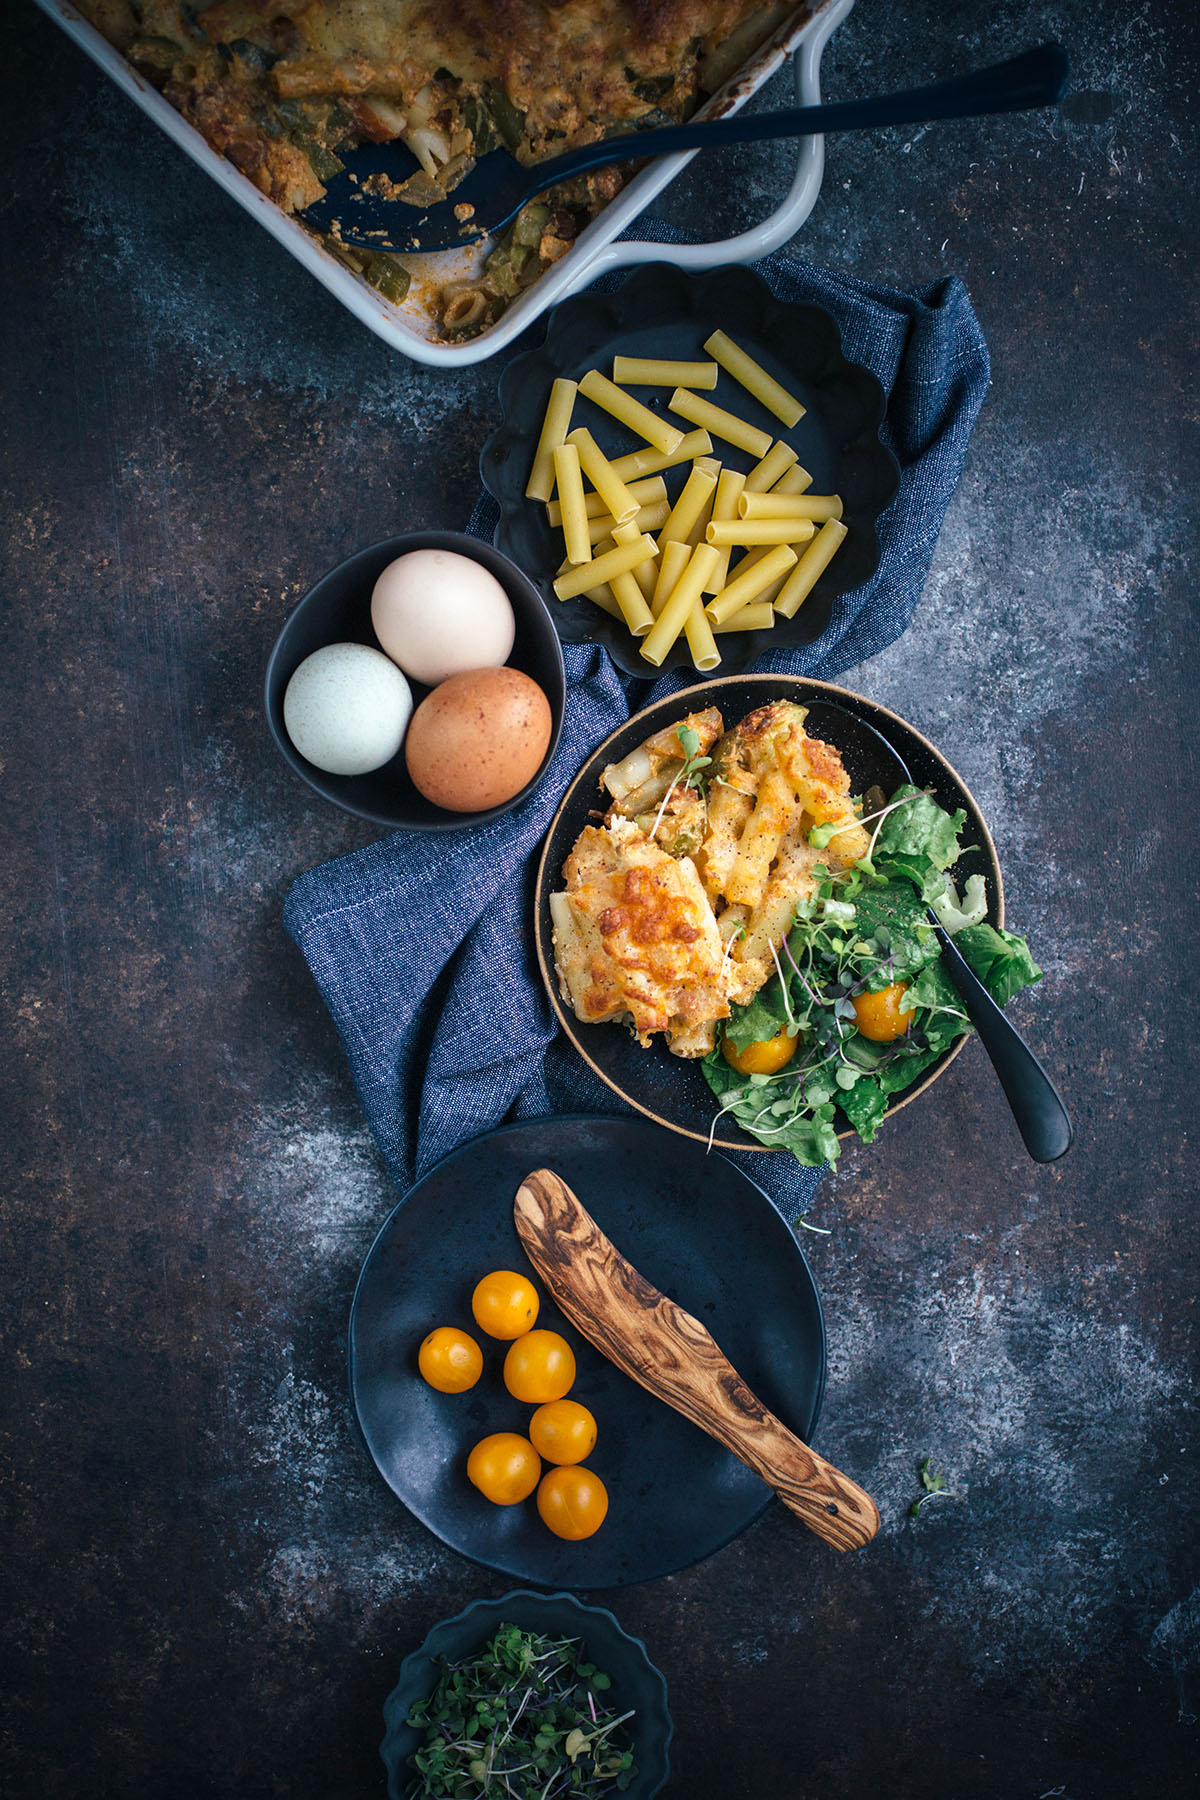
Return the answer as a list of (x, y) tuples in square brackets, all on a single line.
[(419, 684)]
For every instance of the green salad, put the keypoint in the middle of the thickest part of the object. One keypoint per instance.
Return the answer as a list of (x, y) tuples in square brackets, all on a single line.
[(860, 987)]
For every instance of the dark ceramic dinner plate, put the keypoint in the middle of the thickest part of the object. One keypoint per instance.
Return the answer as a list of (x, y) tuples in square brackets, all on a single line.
[(697, 1228), (661, 312), (665, 1088)]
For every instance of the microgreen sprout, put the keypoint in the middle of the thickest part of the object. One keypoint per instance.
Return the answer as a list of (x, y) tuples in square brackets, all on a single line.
[(693, 762), (821, 836), (935, 1485), (739, 931), (793, 1027), (690, 775)]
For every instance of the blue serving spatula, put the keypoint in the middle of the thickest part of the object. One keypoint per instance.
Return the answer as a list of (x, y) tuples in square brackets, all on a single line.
[(359, 208)]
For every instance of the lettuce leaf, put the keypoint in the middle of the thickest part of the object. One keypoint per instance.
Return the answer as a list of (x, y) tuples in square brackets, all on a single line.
[(999, 958), (896, 919), (921, 828), (775, 1113), (764, 1017), (926, 877), (864, 1105)]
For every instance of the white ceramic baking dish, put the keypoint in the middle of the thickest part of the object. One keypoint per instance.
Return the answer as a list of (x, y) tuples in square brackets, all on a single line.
[(410, 327)]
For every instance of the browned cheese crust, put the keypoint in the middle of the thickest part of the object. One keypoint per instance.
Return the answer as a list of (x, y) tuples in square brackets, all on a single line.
[(673, 951), (577, 70), (652, 952)]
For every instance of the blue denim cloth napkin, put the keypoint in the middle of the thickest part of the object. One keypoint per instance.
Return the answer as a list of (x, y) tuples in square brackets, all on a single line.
[(422, 945)]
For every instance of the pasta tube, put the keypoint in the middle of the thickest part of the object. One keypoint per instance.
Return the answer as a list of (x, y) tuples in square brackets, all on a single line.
[(632, 772), (569, 482), (644, 492), (722, 424), (697, 493), (793, 481), (646, 518), (700, 640), (632, 603), (755, 555), (749, 584), (642, 574), (657, 431), (652, 462), (555, 426), (760, 839), (760, 531), (724, 507), (617, 561), (696, 534), (754, 378), (596, 466), (776, 462), (808, 571), (672, 562), (684, 595), (657, 371), (790, 506), (758, 616)]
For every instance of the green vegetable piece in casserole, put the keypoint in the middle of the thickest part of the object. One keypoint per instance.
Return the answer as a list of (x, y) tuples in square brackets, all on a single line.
[(390, 277)]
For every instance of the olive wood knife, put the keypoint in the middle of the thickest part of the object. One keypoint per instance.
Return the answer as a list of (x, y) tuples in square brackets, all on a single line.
[(659, 1345)]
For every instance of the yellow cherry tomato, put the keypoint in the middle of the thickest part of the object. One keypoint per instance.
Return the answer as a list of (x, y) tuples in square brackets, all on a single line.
[(450, 1360), (573, 1502), (878, 1016), (764, 1058), (505, 1305), (504, 1467), (540, 1366), (563, 1431)]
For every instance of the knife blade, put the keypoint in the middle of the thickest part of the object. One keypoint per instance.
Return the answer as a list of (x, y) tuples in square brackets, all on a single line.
[(671, 1354)]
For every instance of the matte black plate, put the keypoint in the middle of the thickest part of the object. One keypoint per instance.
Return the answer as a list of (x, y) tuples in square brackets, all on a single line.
[(665, 1088), (659, 311), (697, 1228)]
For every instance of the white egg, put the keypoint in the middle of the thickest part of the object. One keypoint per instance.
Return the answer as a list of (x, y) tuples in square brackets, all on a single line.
[(439, 614), (347, 708)]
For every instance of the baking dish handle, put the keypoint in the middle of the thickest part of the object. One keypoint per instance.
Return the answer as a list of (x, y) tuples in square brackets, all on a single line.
[(785, 221)]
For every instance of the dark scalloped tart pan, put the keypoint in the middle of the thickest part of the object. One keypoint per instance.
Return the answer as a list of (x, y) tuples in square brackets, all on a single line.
[(659, 311)]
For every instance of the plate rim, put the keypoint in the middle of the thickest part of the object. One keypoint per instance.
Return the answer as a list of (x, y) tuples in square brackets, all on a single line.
[(567, 1020), (606, 1120), (542, 358)]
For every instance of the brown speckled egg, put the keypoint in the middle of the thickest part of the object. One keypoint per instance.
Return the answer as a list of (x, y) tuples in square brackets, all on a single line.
[(478, 738)]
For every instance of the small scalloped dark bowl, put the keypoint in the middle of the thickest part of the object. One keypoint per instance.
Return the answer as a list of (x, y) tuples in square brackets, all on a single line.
[(659, 311), (636, 1682), (337, 610)]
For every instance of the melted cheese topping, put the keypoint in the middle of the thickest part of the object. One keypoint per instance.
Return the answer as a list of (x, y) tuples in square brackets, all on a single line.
[(646, 944), (636, 932)]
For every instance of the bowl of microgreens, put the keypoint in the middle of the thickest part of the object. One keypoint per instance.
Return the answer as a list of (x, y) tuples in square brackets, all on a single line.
[(530, 1697)]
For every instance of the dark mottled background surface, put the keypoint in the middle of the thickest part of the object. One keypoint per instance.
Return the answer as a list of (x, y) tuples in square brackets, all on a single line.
[(208, 1590)]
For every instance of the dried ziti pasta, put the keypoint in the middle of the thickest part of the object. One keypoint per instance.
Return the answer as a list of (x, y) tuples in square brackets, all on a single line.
[(732, 551)]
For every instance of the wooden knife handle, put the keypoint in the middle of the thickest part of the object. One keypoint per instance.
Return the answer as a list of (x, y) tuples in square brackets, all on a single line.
[(675, 1357)]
